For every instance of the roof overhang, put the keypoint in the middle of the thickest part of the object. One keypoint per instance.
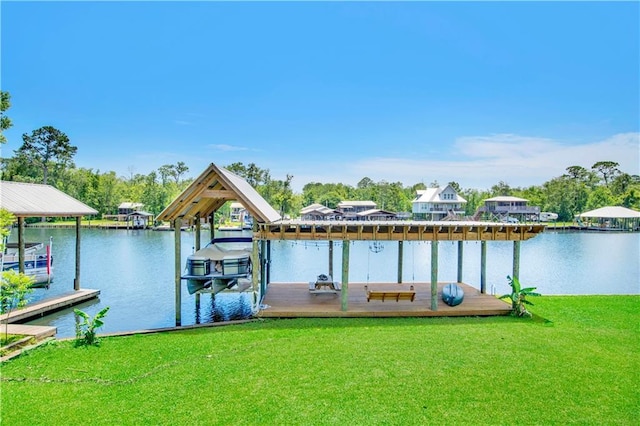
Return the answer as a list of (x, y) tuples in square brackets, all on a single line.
[(37, 200), (209, 191)]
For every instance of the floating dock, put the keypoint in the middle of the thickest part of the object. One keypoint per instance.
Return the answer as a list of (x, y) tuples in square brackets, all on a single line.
[(45, 307)]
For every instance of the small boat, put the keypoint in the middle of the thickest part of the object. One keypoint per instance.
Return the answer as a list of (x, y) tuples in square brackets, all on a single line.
[(219, 265), (452, 294), (38, 261)]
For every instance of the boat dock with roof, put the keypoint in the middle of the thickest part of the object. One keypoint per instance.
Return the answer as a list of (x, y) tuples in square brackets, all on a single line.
[(216, 185)]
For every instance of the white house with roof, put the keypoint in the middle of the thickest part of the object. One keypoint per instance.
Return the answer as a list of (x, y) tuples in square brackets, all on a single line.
[(127, 208), (437, 203)]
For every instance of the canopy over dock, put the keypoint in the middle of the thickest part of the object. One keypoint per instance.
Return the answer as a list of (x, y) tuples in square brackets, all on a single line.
[(613, 218), (216, 185), (36, 200)]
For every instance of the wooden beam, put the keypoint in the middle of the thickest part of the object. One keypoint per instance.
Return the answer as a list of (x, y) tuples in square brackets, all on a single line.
[(177, 224), (21, 244), (255, 276), (268, 262), (331, 258), (218, 193), (460, 259), (197, 242), (434, 275), (76, 281), (263, 268), (483, 267), (212, 227), (344, 302), (400, 260), (516, 259)]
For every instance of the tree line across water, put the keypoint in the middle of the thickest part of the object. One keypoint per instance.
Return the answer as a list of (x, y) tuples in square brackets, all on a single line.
[(46, 156)]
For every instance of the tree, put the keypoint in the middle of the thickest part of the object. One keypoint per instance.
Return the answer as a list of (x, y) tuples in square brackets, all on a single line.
[(178, 170), (501, 188), (608, 170), (47, 147), (165, 172), (599, 197), (456, 186), (578, 173), (364, 183), (5, 122)]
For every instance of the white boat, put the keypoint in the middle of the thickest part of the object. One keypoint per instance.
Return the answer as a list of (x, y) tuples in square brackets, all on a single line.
[(219, 265), (38, 261)]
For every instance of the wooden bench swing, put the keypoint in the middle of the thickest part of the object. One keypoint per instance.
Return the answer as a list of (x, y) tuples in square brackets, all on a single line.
[(383, 295)]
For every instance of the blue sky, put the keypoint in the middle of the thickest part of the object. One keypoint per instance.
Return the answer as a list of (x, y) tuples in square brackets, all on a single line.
[(413, 92)]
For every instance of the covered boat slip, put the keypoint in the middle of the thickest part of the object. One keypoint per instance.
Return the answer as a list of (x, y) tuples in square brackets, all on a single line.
[(293, 300), (427, 301), (216, 185)]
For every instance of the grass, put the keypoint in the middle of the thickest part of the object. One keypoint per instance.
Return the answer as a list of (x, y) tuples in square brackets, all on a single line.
[(580, 365)]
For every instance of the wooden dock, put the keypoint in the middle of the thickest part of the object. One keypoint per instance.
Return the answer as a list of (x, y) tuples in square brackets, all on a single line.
[(40, 332), (44, 307), (294, 300)]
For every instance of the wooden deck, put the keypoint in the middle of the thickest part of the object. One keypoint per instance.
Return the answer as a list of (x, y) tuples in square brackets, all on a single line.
[(48, 306), (40, 332), (293, 300)]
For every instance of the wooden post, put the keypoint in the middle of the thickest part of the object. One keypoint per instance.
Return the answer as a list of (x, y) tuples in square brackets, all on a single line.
[(197, 307), (21, 244), (345, 276), (460, 257), (255, 275), (198, 232), (516, 259), (434, 275), (212, 229), (331, 259), (268, 261), (177, 224), (483, 267), (76, 281), (400, 260), (263, 268)]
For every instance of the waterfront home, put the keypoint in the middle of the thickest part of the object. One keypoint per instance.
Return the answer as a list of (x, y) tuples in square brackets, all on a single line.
[(508, 208), (127, 208), (236, 212), (319, 212), (437, 203), (376, 214), (350, 209)]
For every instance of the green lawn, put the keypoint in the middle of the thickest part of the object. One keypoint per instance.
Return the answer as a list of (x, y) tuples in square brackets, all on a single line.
[(582, 366)]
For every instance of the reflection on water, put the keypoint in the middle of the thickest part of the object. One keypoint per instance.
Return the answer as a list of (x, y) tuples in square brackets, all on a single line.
[(134, 271)]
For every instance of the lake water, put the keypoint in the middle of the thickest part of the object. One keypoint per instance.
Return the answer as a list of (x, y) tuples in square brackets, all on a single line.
[(133, 269)]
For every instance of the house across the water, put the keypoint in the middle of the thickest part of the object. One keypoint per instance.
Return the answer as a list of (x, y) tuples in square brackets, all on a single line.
[(509, 209), (317, 211), (438, 203)]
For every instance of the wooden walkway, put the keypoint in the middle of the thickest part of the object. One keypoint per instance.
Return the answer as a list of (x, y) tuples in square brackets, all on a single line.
[(44, 307), (40, 332), (293, 300)]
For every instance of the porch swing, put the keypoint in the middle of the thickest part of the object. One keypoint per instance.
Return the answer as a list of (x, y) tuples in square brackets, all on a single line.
[(382, 295)]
